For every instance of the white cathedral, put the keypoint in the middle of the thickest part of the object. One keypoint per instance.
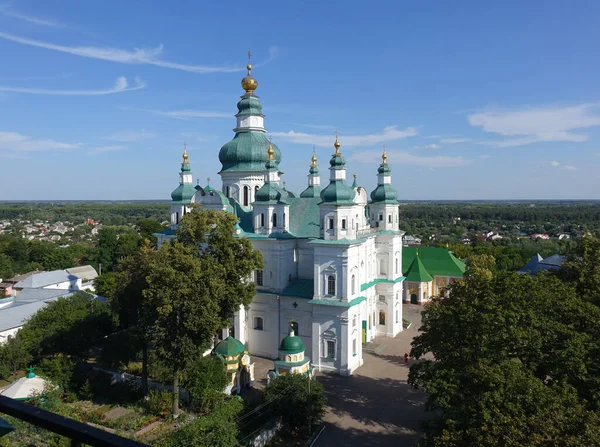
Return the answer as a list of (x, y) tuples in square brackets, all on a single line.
[(333, 260)]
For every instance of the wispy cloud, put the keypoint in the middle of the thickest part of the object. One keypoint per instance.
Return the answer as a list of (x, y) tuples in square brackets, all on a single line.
[(402, 158), (429, 146), (539, 124), (103, 149), (556, 164), (8, 12), (454, 140), (121, 85), (182, 114), (128, 136), (145, 56), (13, 141), (390, 133)]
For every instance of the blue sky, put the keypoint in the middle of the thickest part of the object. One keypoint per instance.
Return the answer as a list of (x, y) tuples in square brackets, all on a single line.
[(474, 100)]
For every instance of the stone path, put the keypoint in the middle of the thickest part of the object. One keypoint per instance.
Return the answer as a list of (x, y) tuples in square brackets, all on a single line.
[(375, 406)]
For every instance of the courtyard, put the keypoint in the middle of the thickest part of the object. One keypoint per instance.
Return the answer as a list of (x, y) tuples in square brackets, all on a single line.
[(375, 406)]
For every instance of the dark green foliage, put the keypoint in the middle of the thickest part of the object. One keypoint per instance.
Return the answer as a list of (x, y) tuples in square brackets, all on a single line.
[(205, 377), (146, 229), (217, 429), (13, 357), (60, 370), (231, 259), (288, 397), (158, 402), (106, 249), (582, 269), (515, 362), (69, 325), (106, 285)]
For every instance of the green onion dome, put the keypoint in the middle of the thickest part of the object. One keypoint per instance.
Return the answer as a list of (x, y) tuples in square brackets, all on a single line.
[(247, 152), (291, 344)]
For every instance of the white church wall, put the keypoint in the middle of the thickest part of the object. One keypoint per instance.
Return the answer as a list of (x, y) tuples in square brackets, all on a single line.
[(305, 259)]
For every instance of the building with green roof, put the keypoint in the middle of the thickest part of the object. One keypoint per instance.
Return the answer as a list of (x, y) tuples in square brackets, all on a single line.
[(238, 364), (291, 357), (334, 261)]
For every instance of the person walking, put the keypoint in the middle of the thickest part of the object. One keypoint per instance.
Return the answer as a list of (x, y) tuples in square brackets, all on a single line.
[(405, 358)]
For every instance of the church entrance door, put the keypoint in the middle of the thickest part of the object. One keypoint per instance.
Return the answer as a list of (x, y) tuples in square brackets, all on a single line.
[(413, 298)]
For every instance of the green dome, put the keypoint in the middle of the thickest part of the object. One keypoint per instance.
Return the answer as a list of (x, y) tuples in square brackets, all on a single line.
[(384, 169), (337, 161), (270, 192), (249, 105), (230, 347), (291, 345), (384, 193), (183, 193), (337, 191), (247, 152)]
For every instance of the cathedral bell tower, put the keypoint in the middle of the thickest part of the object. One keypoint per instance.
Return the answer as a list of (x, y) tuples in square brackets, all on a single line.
[(182, 196), (384, 199), (243, 158)]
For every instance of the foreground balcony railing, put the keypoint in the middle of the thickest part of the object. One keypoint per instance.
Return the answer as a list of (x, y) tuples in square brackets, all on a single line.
[(77, 432)]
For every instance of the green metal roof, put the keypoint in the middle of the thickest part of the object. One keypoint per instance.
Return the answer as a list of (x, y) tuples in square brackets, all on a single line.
[(338, 303), (384, 194), (230, 347), (301, 288), (249, 105), (370, 284), (338, 193), (311, 191), (247, 152), (437, 261), (271, 193), (417, 272), (291, 345)]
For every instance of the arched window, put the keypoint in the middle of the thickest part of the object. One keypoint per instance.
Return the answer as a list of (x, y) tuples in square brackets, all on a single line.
[(274, 220), (396, 265), (259, 277), (294, 326), (331, 285), (177, 217), (258, 323), (246, 195), (256, 188), (389, 218), (227, 191), (382, 269), (353, 284), (262, 219), (283, 220), (382, 318)]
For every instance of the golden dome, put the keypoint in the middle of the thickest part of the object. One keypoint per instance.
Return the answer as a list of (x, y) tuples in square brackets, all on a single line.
[(384, 155), (185, 154), (337, 143), (270, 151), (248, 82), (314, 160)]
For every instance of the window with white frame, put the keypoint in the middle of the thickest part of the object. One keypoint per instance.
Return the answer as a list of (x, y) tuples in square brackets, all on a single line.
[(331, 223), (382, 318), (330, 347), (259, 277), (381, 297), (331, 285), (258, 323), (343, 224)]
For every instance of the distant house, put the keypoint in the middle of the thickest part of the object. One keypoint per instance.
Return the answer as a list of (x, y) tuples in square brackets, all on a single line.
[(540, 236), (563, 236), (537, 264), (85, 272), (57, 279)]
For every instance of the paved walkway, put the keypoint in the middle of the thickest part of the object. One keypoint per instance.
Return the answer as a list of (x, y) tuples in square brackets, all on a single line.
[(375, 406)]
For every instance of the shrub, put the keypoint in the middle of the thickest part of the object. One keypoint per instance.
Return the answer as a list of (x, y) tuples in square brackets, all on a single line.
[(158, 402)]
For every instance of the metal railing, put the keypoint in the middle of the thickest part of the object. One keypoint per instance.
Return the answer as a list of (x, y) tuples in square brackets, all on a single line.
[(78, 432)]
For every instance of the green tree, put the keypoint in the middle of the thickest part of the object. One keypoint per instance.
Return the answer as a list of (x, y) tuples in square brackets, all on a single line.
[(146, 229), (13, 356), (128, 244), (298, 400), (204, 378), (106, 285), (582, 269), (214, 233), (217, 429), (513, 357), (69, 326), (106, 249), (182, 290)]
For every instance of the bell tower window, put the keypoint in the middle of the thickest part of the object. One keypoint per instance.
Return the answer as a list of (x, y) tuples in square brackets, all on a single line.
[(331, 285), (246, 195)]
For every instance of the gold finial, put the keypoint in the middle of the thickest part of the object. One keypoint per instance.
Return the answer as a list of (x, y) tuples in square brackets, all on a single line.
[(355, 175), (314, 158), (337, 143), (270, 151), (185, 154), (384, 155), (248, 82)]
